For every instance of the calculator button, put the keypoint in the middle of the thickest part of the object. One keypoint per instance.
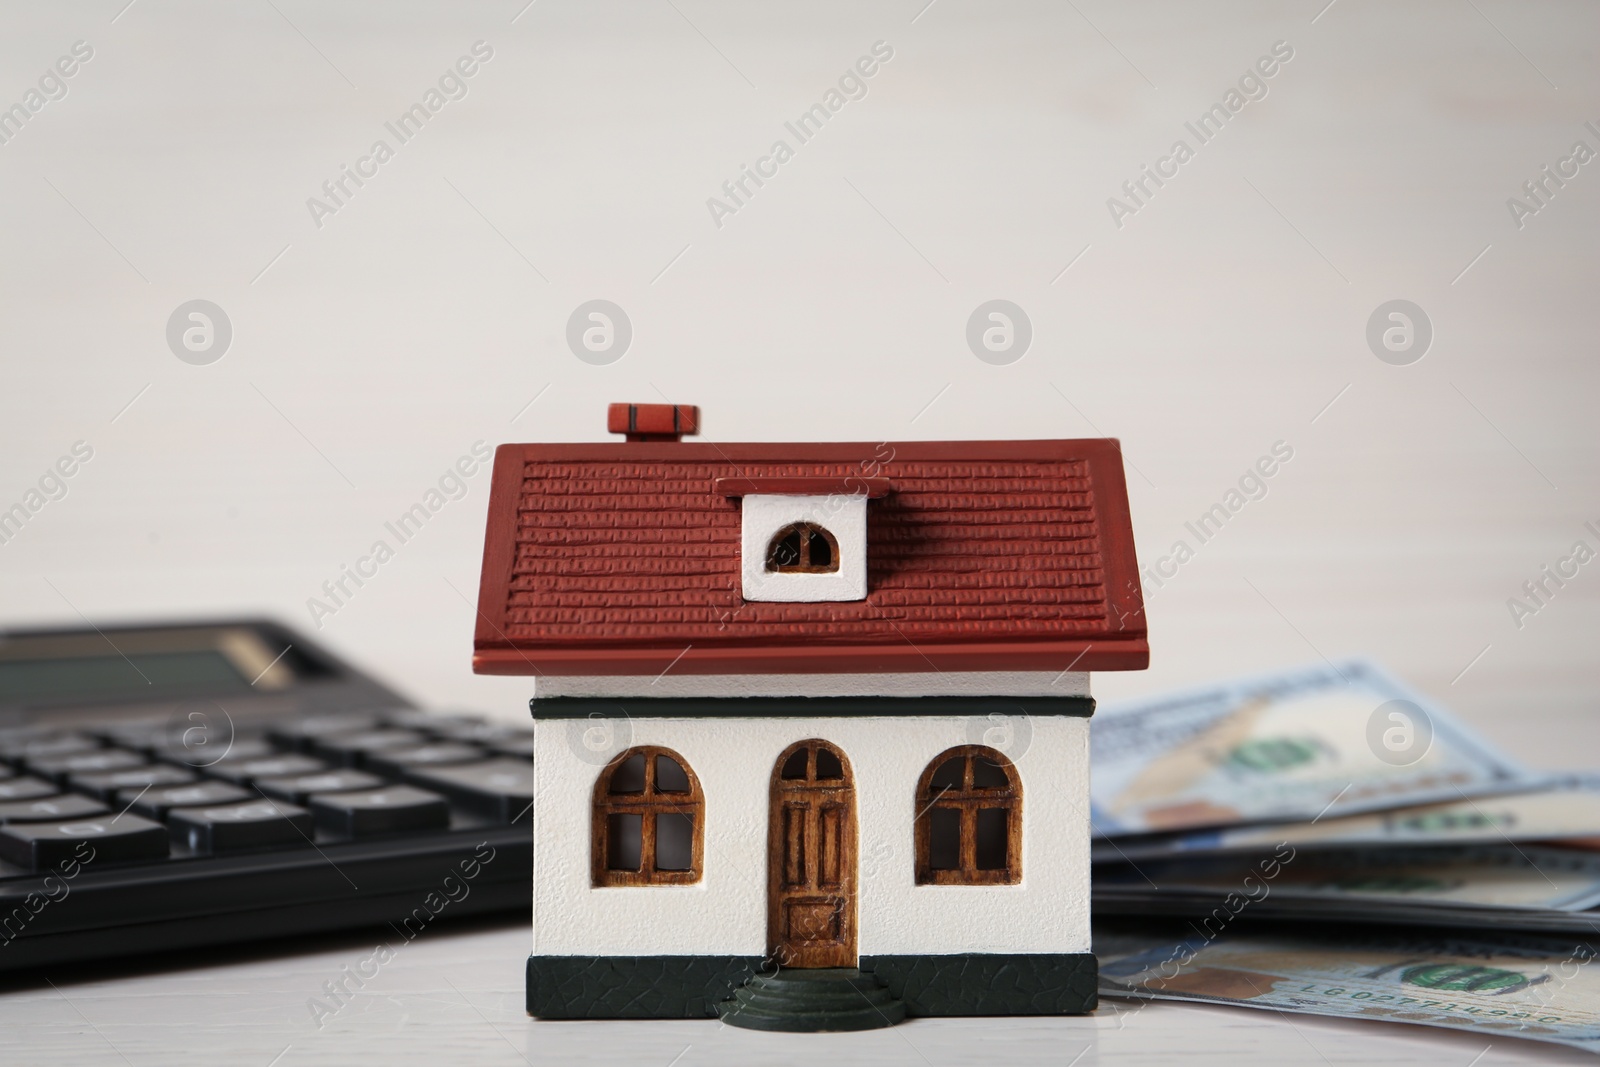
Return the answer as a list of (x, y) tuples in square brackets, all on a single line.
[(52, 809), (38, 845), (107, 784), (6, 772), (521, 747), (298, 789), (154, 803), (232, 827), (438, 754), (417, 719), (240, 750), (380, 811), (353, 749), (103, 759), (248, 771), (501, 789), (26, 789), (140, 736), (303, 733), (48, 746), (480, 733)]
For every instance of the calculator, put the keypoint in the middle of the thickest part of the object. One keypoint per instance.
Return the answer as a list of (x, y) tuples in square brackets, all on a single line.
[(172, 786)]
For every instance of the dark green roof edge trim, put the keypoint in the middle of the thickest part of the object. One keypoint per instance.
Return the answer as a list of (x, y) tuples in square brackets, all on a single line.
[(801, 707)]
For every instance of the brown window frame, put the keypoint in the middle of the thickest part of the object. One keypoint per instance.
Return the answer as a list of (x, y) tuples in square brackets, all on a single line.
[(803, 566), (968, 800), (647, 804)]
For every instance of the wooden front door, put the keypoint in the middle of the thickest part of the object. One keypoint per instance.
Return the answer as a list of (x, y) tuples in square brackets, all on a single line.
[(811, 859)]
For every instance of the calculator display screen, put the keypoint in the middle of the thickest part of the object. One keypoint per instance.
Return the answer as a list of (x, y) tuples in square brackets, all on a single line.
[(142, 664), (117, 677)]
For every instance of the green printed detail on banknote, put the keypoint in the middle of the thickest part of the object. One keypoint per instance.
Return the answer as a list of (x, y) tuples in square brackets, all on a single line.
[(1546, 815), (1300, 744), (1482, 876), (1538, 988)]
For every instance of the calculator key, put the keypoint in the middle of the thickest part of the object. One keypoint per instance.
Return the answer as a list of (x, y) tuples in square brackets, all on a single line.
[(298, 789), (303, 733), (501, 789), (40, 845), (417, 719), (12, 735), (353, 749), (438, 754), (26, 789), (141, 737), (102, 759), (479, 733), (521, 747), (232, 827), (380, 811), (6, 772), (239, 750), (107, 784), (247, 771), (51, 809), (16, 740), (154, 803), (48, 746)]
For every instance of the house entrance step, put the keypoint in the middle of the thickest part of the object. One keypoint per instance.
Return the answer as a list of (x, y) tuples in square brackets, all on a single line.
[(804, 1001)]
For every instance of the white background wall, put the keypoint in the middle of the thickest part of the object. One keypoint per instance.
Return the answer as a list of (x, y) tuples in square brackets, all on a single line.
[(1224, 316), (726, 912)]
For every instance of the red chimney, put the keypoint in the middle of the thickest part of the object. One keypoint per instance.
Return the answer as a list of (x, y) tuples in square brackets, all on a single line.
[(653, 422)]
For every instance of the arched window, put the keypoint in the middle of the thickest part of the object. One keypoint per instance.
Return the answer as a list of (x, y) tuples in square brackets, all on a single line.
[(969, 819), (648, 811), (803, 548)]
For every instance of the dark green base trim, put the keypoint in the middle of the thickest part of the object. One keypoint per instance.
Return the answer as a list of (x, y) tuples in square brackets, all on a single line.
[(990, 984), (634, 987), (692, 987), (802, 707)]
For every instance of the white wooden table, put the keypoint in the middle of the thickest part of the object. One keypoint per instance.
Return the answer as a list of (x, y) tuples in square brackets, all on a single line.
[(373, 346), (457, 998)]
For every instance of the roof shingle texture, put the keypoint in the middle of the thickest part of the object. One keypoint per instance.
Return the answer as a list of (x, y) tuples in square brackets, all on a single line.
[(647, 553)]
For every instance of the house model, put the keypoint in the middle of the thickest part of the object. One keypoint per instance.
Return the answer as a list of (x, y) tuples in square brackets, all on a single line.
[(812, 745)]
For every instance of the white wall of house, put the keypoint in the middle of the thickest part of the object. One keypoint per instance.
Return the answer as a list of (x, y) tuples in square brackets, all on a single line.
[(726, 912), (907, 684)]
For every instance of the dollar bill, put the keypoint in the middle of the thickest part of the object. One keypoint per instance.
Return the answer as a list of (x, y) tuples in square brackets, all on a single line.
[(1299, 744), (1489, 877), (1545, 989), (1569, 813)]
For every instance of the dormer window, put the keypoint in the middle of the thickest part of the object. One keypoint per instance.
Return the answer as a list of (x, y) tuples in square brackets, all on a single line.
[(803, 548), (803, 540)]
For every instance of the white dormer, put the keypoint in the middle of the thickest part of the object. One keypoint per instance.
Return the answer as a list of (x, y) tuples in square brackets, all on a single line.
[(803, 539), (804, 548)]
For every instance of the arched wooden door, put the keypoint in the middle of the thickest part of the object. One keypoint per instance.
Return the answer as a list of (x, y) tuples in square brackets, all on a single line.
[(811, 858)]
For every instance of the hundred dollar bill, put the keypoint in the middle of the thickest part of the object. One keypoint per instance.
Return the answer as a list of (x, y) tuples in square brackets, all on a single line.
[(1570, 814), (1545, 989), (1487, 877), (1299, 744)]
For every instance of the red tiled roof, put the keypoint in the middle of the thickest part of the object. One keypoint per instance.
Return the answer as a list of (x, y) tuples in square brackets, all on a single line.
[(987, 555)]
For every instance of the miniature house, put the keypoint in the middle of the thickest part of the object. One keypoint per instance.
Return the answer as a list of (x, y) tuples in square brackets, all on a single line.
[(812, 745)]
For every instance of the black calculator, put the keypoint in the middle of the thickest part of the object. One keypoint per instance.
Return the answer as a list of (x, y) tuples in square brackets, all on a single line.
[(166, 787)]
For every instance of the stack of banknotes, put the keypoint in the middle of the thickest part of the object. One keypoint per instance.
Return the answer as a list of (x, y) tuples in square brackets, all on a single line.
[(1326, 841)]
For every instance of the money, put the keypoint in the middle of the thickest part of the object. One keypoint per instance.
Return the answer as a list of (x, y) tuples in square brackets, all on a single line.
[(1540, 988), (1300, 744), (1504, 887), (1570, 812), (1487, 877)]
